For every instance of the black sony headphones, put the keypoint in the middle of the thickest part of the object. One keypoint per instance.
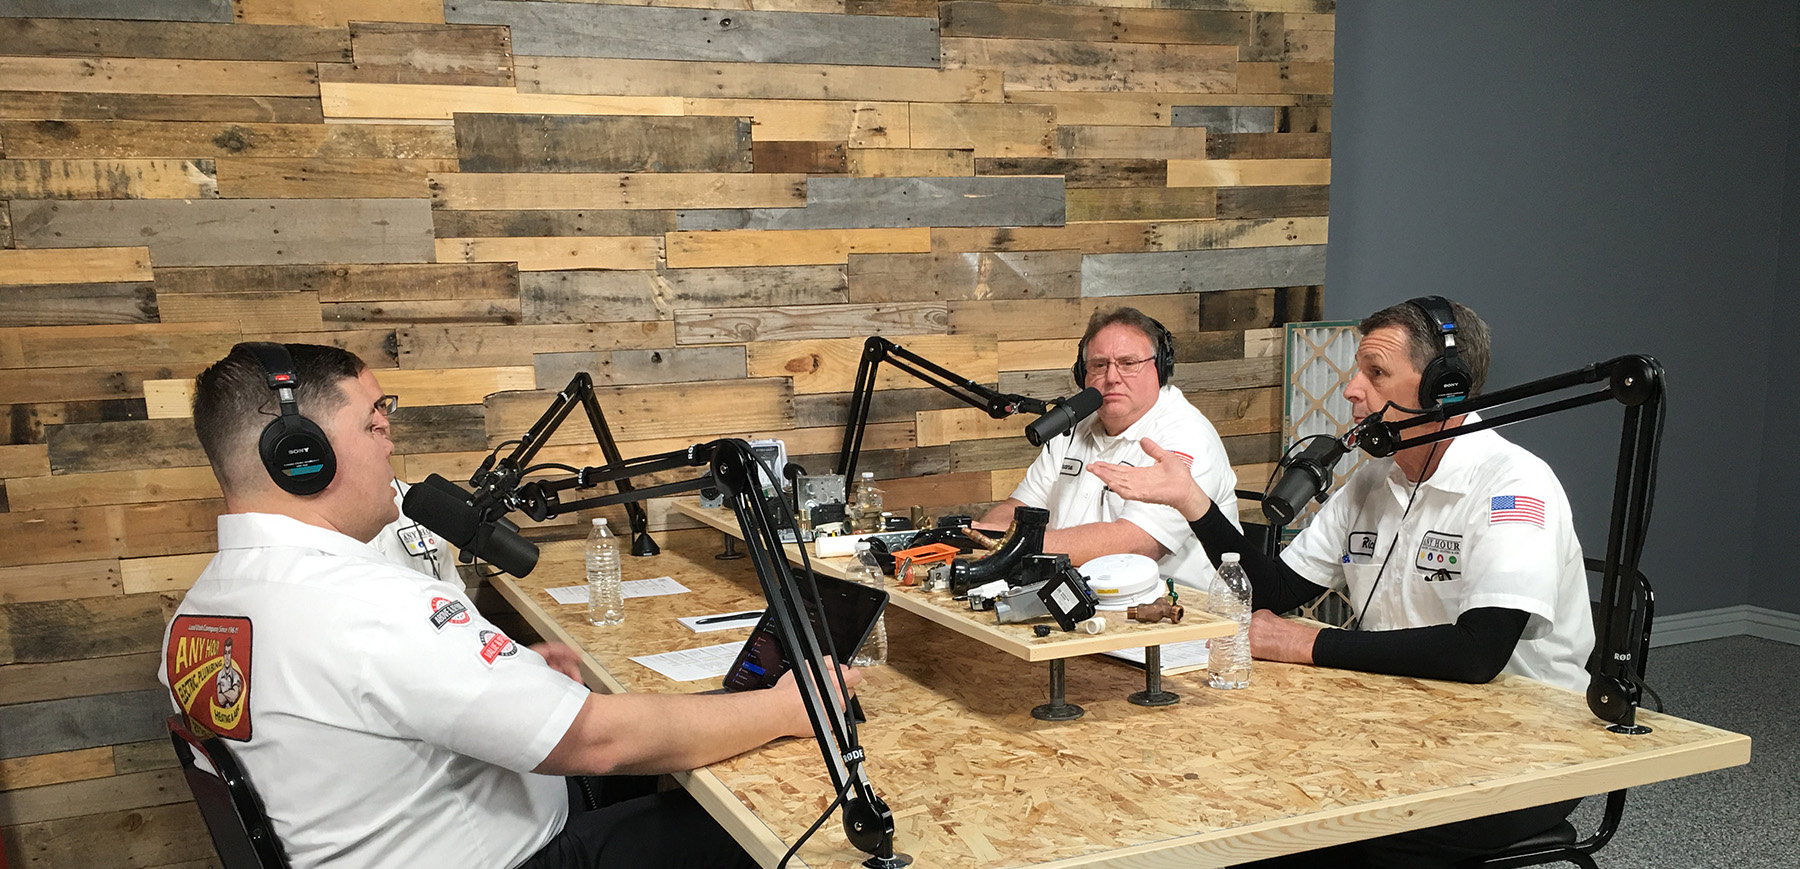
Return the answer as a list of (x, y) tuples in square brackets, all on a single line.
[(293, 448), (1159, 338), (1446, 378)]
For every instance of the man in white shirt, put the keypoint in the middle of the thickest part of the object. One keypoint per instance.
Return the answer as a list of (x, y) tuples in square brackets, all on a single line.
[(383, 721), (404, 541), (1129, 357)]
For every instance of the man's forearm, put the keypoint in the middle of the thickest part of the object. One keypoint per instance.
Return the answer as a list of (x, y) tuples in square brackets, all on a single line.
[(1084, 543), (647, 734)]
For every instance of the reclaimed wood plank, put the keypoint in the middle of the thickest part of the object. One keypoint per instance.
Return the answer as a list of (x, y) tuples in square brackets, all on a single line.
[(889, 406), (164, 10), (143, 756), (1202, 271), (528, 191), (600, 143), (165, 573), (455, 224), (444, 102), (789, 247), (1268, 146), (1146, 109), (156, 75), (1035, 354), (94, 533), (64, 630), (139, 344), (1259, 309), (943, 427), (753, 81), (1242, 202), (416, 53), (589, 296), (112, 487), (751, 286), (59, 581), (27, 683), (1211, 346), (641, 412), (1094, 24), (918, 277), (1252, 449), (339, 178), (1085, 173), (236, 231), (1127, 142), (888, 464), (70, 799), (77, 304), (1250, 232), (989, 130), (480, 346), (126, 445), (1123, 236), (828, 365), (939, 490), (350, 282), (634, 367), (1248, 173), (25, 423), (1140, 203), (1240, 411), (160, 107), (107, 179), (24, 460), (251, 313), (552, 254), (53, 37), (910, 162), (804, 158), (161, 836), (427, 387), (994, 454), (1304, 119), (337, 13), (870, 203), (1284, 78), (584, 30), (73, 385), (1267, 38), (354, 314), (428, 429), (179, 139), (1225, 119), (19, 773), (740, 325), (859, 124), (74, 266), (1071, 65)]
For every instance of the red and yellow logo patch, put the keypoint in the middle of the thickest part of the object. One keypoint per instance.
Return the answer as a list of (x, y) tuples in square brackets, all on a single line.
[(208, 663)]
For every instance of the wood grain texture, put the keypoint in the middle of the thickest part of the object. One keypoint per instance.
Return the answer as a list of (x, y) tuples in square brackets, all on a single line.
[(1035, 354), (632, 367), (515, 222), (528, 191), (1268, 146), (158, 107), (920, 277), (166, 10), (1248, 173), (63, 766), (108, 179), (740, 325), (1284, 78), (124, 445), (100, 37), (408, 53), (642, 412), (1139, 203), (155, 75), (586, 143), (27, 683), (1259, 309), (587, 30), (67, 139), (349, 282), (1148, 109), (589, 296), (74, 265), (1128, 142), (753, 81), (547, 254), (24, 460), (804, 158), (1064, 318), (829, 366), (340, 178), (910, 162), (859, 124), (751, 286), (337, 13), (77, 304), (482, 346), (1225, 119), (48, 802), (236, 232), (1202, 271), (1242, 202), (443, 102), (77, 386), (162, 574), (1071, 65), (1081, 174), (62, 581), (867, 203), (250, 313), (789, 247), (1095, 24), (172, 836), (64, 630), (130, 344), (1006, 130)]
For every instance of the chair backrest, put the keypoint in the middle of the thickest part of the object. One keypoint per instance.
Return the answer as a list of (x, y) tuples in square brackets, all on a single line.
[(234, 815)]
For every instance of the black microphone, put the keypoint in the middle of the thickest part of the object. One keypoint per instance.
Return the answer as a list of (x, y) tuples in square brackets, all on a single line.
[(1306, 476), (1063, 416), (459, 517)]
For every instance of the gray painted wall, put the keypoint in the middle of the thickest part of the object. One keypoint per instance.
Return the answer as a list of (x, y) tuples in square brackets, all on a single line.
[(1595, 179), (1776, 582)]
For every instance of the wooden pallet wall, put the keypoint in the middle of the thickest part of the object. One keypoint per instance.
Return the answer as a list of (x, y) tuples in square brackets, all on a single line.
[(707, 208)]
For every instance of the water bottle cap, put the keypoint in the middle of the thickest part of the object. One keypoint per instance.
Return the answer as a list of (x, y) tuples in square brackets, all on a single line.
[(868, 475), (1228, 558), (862, 546), (600, 520)]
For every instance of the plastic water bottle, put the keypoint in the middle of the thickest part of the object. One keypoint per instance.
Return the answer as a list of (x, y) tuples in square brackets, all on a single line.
[(867, 571), (1228, 658), (606, 591), (866, 505)]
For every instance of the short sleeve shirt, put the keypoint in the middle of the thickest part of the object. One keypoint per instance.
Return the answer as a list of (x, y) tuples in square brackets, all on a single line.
[(406, 542)]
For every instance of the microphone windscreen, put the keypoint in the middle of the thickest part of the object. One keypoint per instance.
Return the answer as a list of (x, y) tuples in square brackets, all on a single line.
[(1085, 402), (443, 507)]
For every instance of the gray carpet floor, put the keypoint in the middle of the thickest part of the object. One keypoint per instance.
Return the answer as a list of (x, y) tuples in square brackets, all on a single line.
[(1747, 817)]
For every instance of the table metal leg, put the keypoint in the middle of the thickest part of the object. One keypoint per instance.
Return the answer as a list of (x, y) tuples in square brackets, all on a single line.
[(1058, 709), (1153, 693), (730, 552)]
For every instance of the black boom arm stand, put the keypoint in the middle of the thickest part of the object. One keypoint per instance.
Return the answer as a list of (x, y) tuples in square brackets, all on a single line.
[(877, 350), (1626, 602), (504, 477), (732, 469)]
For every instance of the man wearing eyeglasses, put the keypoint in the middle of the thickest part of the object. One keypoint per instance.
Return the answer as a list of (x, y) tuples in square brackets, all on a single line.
[(1128, 357)]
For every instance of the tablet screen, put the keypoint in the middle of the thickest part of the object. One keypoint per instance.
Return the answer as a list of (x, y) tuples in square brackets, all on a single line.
[(851, 610)]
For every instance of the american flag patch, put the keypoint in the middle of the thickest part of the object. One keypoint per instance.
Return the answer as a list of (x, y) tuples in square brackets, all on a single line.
[(1184, 457), (1516, 508)]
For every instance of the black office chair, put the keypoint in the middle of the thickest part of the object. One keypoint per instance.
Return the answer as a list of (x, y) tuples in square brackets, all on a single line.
[(1560, 844), (234, 815)]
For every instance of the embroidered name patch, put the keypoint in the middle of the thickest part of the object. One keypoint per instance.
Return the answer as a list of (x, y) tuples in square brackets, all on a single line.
[(1071, 467), (416, 539), (208, 665), (1360, 548), (1440, 552), (445, 611)]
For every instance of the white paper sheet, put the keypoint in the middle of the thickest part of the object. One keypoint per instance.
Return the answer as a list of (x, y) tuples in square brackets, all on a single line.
[(574, 594), (689, 665), (1176, 657), (568, 594)]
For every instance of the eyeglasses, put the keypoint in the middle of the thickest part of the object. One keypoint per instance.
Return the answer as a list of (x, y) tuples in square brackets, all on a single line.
[(387, 404), (1127, 367)]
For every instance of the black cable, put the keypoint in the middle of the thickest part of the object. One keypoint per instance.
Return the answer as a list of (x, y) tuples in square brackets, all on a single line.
[(1398, 532), (795, 848)]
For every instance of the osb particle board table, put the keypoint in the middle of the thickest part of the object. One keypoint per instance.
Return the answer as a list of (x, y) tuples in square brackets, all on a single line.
[(1304, 758)]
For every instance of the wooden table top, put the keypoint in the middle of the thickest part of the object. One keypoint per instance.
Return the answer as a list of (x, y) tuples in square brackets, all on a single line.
[(1304, 758), (1017, 640)]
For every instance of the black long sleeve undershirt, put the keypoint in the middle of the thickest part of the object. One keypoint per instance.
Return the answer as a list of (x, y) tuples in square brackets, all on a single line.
[(1474, 649)]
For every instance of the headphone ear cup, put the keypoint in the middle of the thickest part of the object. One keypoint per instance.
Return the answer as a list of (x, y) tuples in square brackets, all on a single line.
[(297, 455), (1165, 355), (1446, 378), (1079, 369)]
